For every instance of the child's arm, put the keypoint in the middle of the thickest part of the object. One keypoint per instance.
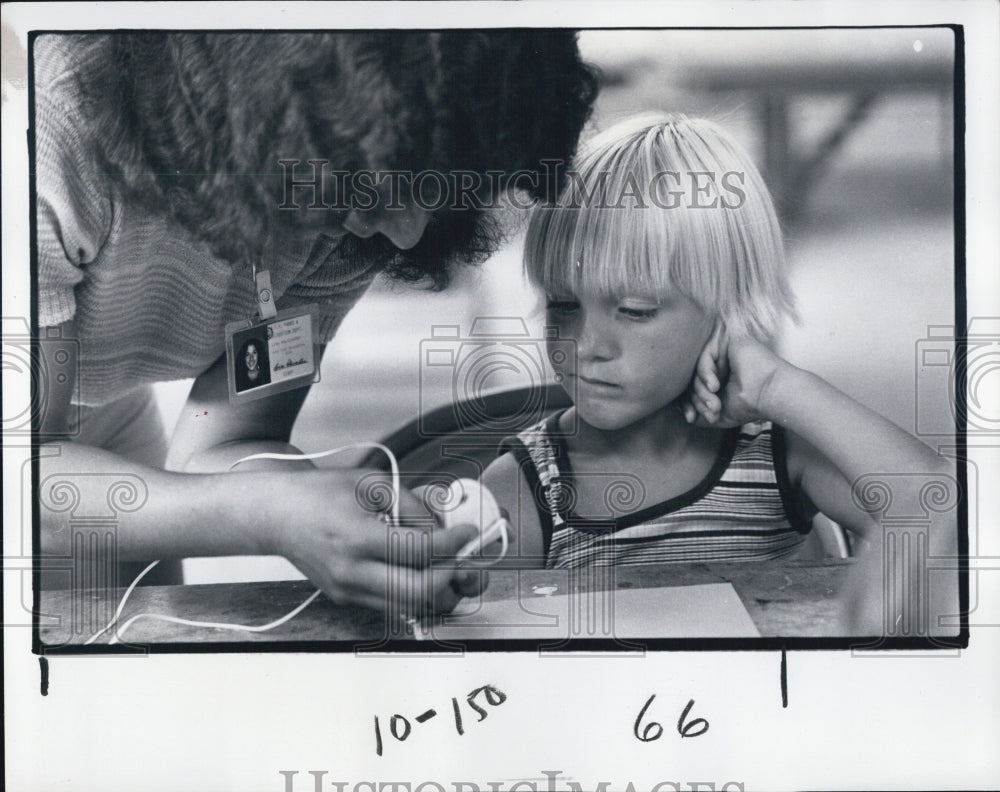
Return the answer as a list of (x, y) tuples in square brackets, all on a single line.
[(835, 447), (509, 486)]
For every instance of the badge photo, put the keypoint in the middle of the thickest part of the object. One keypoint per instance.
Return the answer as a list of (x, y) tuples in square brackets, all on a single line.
[(269, 356)]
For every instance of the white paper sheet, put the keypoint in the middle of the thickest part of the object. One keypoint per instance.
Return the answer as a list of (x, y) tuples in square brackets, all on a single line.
[(711, 610)]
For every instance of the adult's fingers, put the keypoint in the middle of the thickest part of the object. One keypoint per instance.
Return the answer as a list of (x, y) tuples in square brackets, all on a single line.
[(402, 590), (470, 582), (417, 545)]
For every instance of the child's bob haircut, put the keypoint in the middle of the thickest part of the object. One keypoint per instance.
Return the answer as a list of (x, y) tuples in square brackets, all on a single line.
[(660, 204)]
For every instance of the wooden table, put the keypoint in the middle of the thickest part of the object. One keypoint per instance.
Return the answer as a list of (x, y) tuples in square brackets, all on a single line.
[(785, 599)]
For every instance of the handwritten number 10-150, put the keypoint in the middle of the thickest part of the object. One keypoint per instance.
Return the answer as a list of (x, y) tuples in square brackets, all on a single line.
[(653, 730), (400, 726)]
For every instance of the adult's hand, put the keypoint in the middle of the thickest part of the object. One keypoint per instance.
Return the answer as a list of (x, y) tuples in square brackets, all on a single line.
[(325, 522), (336, 528)]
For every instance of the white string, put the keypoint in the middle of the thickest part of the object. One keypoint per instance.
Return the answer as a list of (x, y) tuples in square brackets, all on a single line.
[(487, 537), (121, 605), (393, 465), (217, 625)]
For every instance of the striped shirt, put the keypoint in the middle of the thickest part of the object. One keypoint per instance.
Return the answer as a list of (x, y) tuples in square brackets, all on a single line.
[(743, 510), (150, 301)]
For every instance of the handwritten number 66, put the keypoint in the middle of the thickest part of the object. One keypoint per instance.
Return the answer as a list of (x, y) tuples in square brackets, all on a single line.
[(653, 730)]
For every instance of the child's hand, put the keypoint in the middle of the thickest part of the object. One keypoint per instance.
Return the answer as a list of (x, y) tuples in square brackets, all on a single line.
[(729, 381), (701, 404)]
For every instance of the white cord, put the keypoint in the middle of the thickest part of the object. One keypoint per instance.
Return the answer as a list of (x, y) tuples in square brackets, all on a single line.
[(217, 625), (490, 535), (393, 465), (121, 605), (487, 537)]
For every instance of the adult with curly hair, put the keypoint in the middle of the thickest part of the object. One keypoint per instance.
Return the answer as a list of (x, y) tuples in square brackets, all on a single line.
[(171, 166)]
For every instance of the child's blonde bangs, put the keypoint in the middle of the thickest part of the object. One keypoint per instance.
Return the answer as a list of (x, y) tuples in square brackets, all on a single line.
[(597, 251), (660, 205)]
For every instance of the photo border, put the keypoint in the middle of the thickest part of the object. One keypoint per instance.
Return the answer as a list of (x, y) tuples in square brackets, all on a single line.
[(768, 644)]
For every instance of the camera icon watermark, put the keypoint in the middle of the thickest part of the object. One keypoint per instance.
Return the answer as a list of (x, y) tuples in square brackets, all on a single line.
[(958, 380), (499, 354), (50, 362)]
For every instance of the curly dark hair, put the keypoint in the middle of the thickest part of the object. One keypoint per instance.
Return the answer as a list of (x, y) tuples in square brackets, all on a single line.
[(260, 345), (195, 124)]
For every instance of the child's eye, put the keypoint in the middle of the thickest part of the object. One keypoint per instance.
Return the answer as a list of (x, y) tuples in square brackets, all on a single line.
[(561, 307), (637, 314)]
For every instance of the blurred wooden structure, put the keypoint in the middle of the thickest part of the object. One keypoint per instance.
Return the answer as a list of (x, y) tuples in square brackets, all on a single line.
[(777, 71), (861, 75)]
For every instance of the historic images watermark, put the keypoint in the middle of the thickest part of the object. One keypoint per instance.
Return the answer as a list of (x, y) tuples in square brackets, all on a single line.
[(552, 781), (314, 184)]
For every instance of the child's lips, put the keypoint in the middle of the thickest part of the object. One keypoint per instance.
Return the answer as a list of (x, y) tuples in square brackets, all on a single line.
[(599, 384)]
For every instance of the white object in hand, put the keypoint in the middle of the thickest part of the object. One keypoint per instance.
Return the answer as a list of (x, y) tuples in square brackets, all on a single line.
[(471, 503)]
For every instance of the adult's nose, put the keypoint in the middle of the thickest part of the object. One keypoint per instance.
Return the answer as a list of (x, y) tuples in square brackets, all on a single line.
[(403, 226)]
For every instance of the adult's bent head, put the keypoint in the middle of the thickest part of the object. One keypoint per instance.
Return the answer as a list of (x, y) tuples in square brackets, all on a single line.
[(218, 130)]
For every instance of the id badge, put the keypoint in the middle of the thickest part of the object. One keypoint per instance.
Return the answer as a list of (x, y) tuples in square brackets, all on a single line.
[(268, 356)]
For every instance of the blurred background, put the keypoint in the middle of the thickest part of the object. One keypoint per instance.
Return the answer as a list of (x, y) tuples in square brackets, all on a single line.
[(853, 129)]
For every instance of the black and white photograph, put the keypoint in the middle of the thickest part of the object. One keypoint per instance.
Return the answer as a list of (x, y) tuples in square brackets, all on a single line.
[(628, 375), (267, 355), (251, 365), (669, 316)]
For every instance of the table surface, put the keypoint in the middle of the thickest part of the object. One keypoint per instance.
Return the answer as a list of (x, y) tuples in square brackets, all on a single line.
[(784, 599)]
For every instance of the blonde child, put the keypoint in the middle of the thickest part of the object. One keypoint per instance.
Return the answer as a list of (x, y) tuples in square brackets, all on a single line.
[(689, 438)]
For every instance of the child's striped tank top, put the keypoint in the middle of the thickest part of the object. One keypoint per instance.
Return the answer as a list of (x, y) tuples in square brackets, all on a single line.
[(743, 510)]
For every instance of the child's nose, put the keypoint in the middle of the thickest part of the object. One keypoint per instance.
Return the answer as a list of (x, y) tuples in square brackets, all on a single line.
[(595, 340)]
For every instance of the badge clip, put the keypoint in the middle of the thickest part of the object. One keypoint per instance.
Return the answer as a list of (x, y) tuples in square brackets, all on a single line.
[(265, 297), (274, 352)]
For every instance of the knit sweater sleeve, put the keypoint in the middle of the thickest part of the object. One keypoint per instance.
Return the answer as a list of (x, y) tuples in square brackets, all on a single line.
[(329, 282), (74, 210)]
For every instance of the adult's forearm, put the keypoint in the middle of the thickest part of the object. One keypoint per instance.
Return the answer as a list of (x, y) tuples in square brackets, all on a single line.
[(221, 458), (160, 514)]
